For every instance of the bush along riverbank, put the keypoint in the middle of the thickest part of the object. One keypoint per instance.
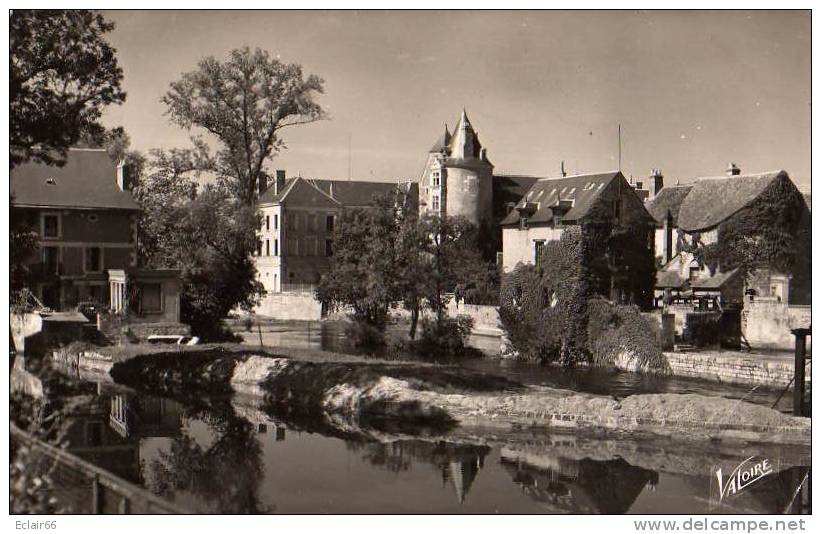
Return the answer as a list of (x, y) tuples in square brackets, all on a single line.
[(452, 396)]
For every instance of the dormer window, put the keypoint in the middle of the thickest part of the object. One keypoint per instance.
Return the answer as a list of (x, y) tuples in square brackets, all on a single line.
[(50, 226), (435, 178), (523, 223)]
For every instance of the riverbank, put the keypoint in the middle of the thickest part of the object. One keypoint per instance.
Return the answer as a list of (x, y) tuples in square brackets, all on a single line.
[(377, 390)]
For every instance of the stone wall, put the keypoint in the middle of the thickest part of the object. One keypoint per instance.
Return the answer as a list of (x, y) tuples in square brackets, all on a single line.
[(768, 323), (290, 307), (736, 368), (485, 318)]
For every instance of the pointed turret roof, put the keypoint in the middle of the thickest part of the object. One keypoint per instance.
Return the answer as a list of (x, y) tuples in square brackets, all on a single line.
[(442, 142), (464, 144)]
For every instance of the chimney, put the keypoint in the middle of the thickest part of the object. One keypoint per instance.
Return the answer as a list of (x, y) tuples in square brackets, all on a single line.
[(331, 189), (564, 173), (483, 154), (279, 181), (262, 184), (656, 182), (124, 178), (732, 169)]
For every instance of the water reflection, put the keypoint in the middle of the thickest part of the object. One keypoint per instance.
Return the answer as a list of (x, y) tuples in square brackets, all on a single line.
[(224, 475), (586, 486), (220, 456)]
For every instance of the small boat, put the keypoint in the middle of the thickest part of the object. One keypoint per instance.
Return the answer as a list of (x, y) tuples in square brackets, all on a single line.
[(173, 340)]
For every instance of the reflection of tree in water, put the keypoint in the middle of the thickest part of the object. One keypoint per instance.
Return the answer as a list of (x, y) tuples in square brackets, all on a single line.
[(226, 475), (458, 464), (580, 486)]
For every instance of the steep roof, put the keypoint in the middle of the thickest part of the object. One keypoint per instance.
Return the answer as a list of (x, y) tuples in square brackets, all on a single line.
[(88, 180), (345, 193), (715, 281), (352, 193), (668, 200), (714, 200), (442, 142), (581, 190), (269, 197)]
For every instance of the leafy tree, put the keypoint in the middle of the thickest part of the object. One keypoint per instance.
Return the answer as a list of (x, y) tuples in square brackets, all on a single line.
[(365, 266), (206, 233), (244, 102), (62, 72)]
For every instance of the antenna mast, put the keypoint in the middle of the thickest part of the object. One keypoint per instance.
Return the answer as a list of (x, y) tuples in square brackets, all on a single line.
[(619, 146), (349, 157)]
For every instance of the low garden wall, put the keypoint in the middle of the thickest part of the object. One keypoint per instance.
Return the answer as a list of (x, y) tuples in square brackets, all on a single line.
[(733, 367), (290, 307), (768, 324)]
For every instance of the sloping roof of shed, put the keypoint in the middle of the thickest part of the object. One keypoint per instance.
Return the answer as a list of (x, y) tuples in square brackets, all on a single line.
[(711, 201)]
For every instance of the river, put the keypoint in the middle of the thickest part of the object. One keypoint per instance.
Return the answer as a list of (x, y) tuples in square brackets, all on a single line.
[(225, 455)]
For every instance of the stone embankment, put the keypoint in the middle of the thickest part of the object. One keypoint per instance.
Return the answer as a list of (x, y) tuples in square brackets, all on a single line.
[(452, 396)]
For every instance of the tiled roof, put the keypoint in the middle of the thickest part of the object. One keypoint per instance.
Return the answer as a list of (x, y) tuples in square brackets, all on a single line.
[(711, 201), (715, 281), (268, 197), (668, 200), (354, 193), (581, 190), (669, 279), (87, 180), (346, 193)]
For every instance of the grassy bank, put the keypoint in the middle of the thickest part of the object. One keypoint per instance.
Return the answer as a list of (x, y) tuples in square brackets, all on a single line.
[(450, 395)]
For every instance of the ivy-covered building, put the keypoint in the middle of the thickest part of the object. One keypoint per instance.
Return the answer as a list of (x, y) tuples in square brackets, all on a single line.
[(734, 235)]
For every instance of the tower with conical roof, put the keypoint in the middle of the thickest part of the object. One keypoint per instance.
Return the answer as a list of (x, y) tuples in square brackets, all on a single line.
[(458, 177)]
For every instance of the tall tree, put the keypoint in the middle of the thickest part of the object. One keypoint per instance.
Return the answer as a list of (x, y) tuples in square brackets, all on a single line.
[(62, 73), (204, 232), (245, 102), (364, 266)]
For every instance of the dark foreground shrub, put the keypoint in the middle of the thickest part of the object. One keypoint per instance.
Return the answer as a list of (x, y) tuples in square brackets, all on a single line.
[(703, 329), (440, 340), (364, 335), (619, 336)]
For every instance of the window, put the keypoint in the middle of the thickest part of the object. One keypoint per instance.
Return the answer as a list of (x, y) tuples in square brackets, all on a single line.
[(93, 260), (267, 222), (329, 249), (51, 259), (538, 249), (51, 226), (434, 203), (329, 223), (267, 247), (276, 221), (150, 298), (523, 223), (276, 247), (93, 218), (259, 247), (434, 178), (693, 273)]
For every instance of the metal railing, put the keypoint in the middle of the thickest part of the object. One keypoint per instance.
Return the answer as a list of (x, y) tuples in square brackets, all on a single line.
[(298, 288), (84, 488)]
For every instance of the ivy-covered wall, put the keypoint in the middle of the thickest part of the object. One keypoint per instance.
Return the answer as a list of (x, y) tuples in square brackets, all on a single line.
[(772, 233)]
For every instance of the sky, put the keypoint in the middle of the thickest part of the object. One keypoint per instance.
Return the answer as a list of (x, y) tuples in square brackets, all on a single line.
[(692, 90)]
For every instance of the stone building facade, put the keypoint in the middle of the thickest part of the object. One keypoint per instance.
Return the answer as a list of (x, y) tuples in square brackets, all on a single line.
[(458, 177), (86, 221), (298, 220)]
